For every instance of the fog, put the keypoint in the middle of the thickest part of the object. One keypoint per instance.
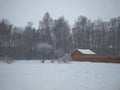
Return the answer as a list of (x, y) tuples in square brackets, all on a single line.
[(19, 12)]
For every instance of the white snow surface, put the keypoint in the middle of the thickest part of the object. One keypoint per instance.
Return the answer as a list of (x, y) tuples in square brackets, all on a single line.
[(33, 75), (86, 51)]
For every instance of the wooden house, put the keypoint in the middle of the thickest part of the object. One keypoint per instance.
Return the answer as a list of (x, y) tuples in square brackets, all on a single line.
[(80, 54)]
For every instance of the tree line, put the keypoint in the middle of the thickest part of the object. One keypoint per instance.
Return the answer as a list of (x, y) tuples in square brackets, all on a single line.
[(54, 38)]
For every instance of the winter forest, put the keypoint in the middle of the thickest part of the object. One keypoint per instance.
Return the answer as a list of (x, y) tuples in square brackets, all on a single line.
[(54, 38)]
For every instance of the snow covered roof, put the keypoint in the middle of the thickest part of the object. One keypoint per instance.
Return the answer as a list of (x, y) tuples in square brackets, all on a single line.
[(86, 51)]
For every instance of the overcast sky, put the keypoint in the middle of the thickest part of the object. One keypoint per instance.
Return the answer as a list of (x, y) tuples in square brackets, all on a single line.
[(19, 12)]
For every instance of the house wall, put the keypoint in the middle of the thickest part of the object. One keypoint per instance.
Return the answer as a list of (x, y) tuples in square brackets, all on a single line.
[(76, 55)]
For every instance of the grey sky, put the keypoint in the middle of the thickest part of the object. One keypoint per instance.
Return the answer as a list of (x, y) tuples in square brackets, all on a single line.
[(19, 12)]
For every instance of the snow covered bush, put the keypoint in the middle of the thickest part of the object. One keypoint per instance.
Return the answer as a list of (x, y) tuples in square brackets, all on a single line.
[(66, 58), (59, 53)]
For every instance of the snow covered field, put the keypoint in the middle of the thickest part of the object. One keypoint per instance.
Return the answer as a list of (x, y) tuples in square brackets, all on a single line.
[(33, 75)]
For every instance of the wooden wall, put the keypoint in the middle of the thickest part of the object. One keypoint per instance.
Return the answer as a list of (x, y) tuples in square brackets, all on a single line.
[(109, 59)]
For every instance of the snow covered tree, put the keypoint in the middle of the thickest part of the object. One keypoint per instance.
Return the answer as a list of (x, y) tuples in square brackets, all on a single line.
[(5, 33), (28, 38), (81, 32), (45, 27), (61, 33)]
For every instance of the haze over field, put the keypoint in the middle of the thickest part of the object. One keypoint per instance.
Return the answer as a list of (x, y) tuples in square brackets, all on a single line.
[(33, 75)]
